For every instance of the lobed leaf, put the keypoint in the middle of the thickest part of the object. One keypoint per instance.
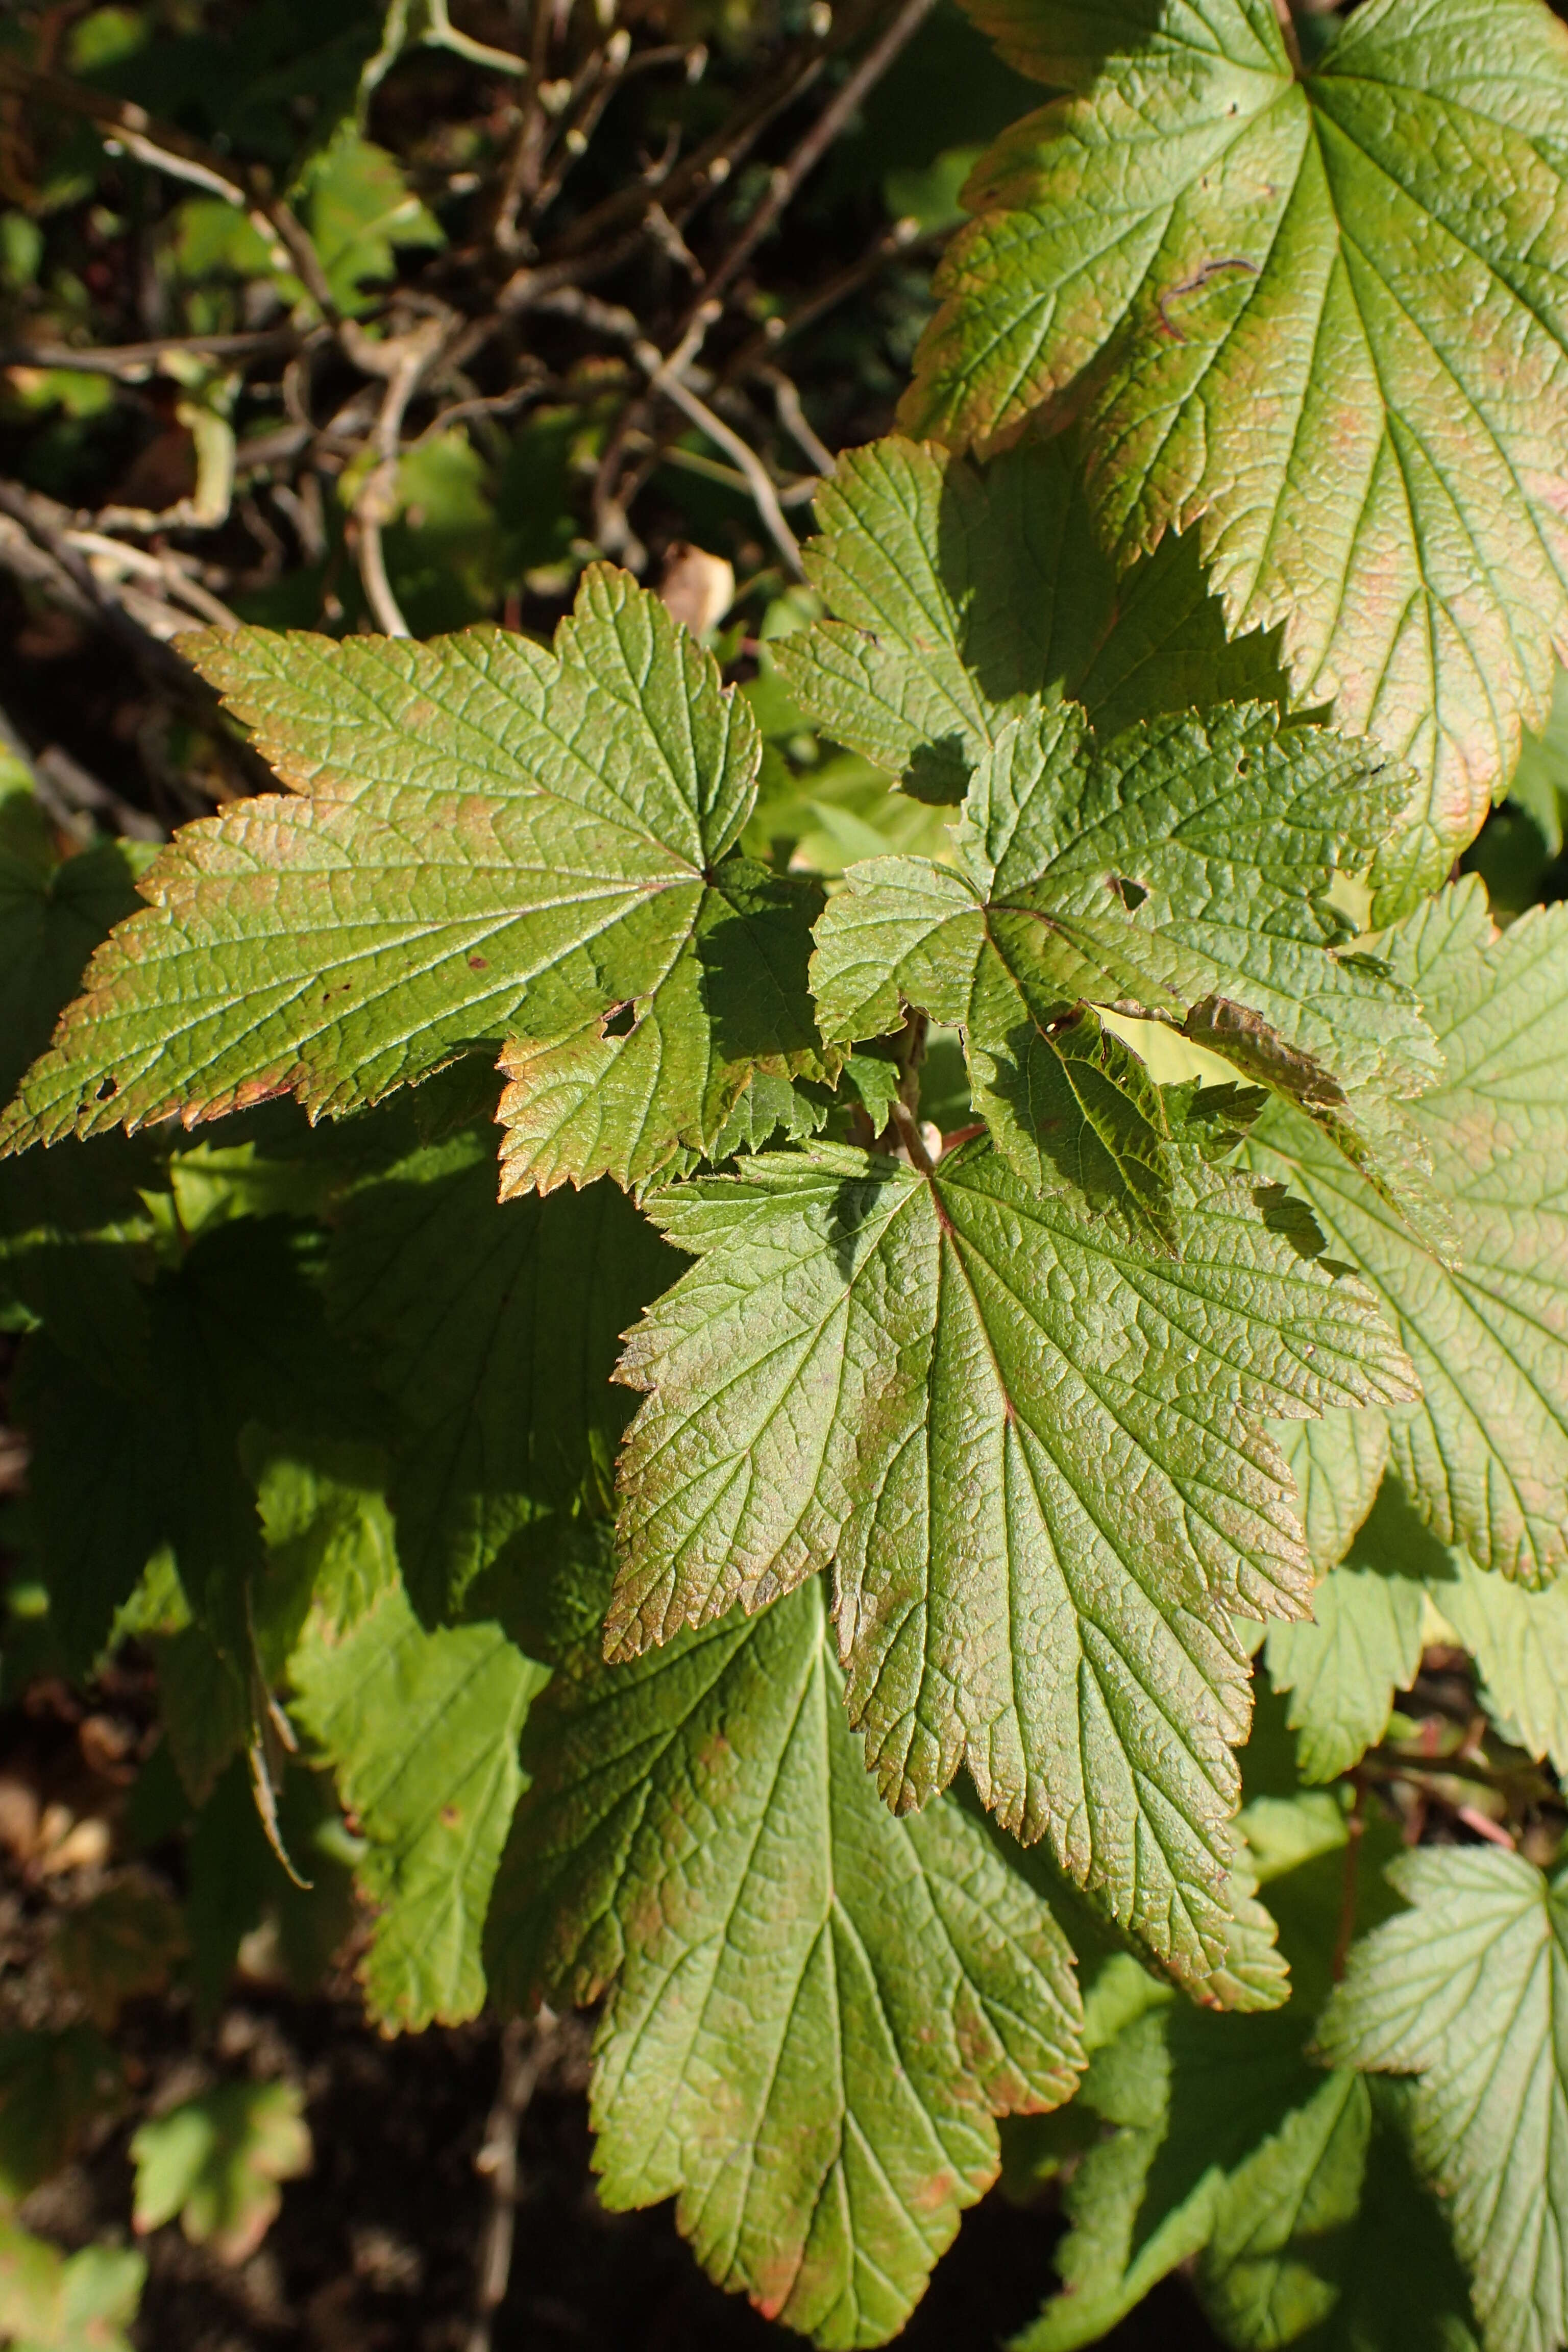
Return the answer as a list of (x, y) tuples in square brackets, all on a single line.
[(1183, 870), (421, 1731), (1031, 1452), (1469, 1991), (1484, 1456), (963, 597), (484, 841), (814, 2011), (1281, 301), (1362, 1643)]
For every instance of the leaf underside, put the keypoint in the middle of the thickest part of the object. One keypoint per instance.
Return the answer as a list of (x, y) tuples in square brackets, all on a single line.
[(1468, 1990)]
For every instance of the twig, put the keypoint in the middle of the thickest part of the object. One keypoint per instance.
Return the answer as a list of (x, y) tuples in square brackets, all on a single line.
[(134, 362), (786, 181), (524, 2055), (1288, 31), (795, 423), (403, 362)]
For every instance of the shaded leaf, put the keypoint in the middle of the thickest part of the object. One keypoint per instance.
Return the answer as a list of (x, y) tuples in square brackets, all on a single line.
[(53, 2087), (493, 1329), (421, 1731), (1184, 870), (1468, 1990), (961, 598)]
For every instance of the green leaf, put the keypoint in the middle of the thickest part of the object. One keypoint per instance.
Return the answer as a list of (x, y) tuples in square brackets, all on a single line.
[(53, 913), (421, 1730), (1362, 1643), (814, 2011), (1518, 1640), (361, 211), (54, 2086), (731, 1011), (1227, 2151), (1278, 301), (1338, 1465), (484, 841), (1184, 868), (216, 2162), (235, 1333), (1028, 1450), (1485, 1455), (494, 1330), (962, 597), (50, 2302), (1469, 1991)]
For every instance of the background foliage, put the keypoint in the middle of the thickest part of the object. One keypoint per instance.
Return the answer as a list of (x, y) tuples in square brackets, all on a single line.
[(343, 317)]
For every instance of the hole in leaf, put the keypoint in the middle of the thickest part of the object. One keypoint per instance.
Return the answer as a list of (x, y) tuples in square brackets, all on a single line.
[(1132, 893), (619, 1020)]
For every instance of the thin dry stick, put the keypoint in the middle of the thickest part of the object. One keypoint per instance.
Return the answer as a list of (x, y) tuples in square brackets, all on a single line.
[(403, 362), (786, 181), (523, 2058)]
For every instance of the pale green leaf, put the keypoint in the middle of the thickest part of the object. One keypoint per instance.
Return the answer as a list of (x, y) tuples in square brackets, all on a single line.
[(217, 2161), (960, 598), (1485, 1455), (1281, 303), (51, 2302), (1361, 1644), (1185, 869), (484, 840), (814, 2011), (1030, 1451), (1469, 1991), (1226, 2150), (1518, 1640), (1338, 1465), (421, 1731)]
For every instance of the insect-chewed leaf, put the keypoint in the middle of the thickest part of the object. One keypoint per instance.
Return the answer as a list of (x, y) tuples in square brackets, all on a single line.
[(485, 840), (1469, 1991), (731, 1010), (814, 2010), (1279, 299), (1028, 1447), (1182, 868), (493, 1327), (961, 596), (1485, 1455)]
